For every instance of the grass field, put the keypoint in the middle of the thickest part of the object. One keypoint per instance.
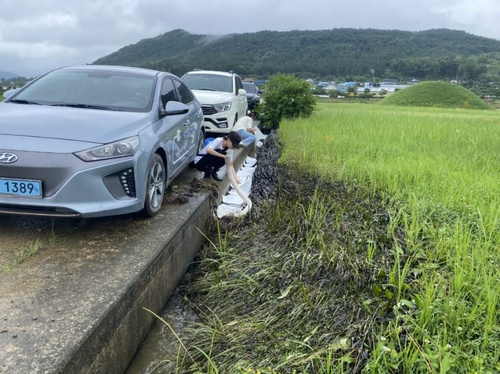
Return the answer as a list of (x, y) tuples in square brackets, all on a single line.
[(440, 170), (377, 252)]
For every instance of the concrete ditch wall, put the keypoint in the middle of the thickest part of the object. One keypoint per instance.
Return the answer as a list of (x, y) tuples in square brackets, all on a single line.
[(79, 309)]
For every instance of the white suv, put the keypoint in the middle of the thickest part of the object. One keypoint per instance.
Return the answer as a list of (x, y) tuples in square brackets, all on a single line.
[(221, 95)]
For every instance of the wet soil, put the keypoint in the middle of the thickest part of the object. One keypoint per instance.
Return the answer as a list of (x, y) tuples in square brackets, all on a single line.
[(279, 277)]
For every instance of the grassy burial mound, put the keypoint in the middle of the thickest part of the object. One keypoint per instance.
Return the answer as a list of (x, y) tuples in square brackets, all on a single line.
[(436, 94)]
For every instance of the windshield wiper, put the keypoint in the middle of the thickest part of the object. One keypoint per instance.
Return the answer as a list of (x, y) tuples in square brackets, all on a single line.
[(84, 106), (205, 89), (17, 101)]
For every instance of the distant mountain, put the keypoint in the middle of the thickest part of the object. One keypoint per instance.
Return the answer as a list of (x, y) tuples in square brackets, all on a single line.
[(324, 53), (7, 75)]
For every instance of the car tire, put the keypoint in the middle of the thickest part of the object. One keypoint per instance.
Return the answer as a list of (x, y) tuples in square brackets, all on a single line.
[(155, 186)]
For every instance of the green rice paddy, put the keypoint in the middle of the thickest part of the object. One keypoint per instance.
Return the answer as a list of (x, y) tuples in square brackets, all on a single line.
[(379, 252), (440, 170)]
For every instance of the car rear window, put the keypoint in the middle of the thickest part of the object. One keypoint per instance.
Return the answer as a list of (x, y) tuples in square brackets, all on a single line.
[(250, 87), (209, 82)]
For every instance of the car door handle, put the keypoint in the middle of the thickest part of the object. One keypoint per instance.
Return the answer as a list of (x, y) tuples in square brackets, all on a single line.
[(186, 123)]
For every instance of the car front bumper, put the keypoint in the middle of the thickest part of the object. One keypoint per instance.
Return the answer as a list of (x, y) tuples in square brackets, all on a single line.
[(74, 188)]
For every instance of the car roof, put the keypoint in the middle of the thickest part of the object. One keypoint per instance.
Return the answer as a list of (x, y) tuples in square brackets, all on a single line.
[(124, 69), (211, 72)]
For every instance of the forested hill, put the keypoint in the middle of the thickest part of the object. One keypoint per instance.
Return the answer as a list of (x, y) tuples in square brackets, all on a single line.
[(325, 53)]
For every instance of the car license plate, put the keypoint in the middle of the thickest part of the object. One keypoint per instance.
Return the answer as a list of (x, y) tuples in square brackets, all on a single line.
[(21, 187)]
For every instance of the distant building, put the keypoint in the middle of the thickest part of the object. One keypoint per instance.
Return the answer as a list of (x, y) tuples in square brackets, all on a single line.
[(342, 87), (389, 82)]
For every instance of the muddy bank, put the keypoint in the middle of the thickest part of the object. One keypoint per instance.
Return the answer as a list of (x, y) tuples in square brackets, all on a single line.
[(299, 284)]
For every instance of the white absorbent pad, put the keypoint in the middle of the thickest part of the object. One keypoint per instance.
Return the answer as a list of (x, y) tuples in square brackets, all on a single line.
[(259, 135), (245, 186), (250, 161), (233, 199), (225, 210)]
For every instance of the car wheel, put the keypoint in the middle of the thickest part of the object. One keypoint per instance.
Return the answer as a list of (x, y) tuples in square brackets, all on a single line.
[(155, 186)]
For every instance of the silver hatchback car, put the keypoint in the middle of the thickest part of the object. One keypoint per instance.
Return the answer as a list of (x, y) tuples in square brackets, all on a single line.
[(91, 141)]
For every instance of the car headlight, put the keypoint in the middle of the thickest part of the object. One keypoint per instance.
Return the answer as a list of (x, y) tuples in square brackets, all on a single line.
[(224, 107), (121, 148)]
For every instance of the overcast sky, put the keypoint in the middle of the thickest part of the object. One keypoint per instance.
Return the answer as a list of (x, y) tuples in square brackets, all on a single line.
[(39, 35)]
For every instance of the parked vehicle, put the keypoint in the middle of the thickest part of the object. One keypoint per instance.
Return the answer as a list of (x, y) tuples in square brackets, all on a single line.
[(221, 95), (253, 95), (91, 141)]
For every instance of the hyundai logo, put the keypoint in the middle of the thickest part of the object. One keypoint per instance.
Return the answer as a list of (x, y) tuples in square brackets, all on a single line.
[(8, 158)]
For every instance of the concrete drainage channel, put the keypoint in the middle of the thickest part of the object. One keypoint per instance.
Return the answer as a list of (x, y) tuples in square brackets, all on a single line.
[(78, 307)]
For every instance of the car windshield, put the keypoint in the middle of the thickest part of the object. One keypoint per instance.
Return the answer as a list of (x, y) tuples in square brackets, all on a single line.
[(209, 82), (250, 87), (107, 90)]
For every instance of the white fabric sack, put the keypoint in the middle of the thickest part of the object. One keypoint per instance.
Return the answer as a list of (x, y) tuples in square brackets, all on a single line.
[(224, 210), (245, 186), (245, 173), (250, 161), (232, 199)]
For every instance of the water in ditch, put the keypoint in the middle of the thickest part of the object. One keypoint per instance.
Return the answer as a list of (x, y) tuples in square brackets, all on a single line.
[(161, 344)]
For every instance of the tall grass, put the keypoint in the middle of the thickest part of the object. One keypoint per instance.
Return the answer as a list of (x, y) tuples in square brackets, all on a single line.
[(440, 169)]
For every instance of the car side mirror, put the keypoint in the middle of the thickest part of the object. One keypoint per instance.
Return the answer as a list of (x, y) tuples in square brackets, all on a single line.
[(241, 91), (173, 108), (9, 93), (260, 92)]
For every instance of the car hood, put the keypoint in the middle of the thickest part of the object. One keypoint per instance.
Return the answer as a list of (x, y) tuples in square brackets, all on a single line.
[(212, 97), (73, 124)]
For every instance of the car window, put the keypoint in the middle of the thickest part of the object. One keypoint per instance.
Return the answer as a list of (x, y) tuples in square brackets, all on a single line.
[(239, 83), (185, 94), (209, 82), (249, 87), (167, 92), (106, 89)]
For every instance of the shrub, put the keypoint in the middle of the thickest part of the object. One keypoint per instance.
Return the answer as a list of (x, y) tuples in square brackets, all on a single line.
[(366, 95), (285, 97), (333, 93), (318, 90)]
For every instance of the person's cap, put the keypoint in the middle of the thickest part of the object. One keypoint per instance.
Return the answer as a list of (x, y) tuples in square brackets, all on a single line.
[(235, 139)]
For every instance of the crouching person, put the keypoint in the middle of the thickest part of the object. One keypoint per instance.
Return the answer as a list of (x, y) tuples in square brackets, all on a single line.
[(212, 157), (244, 127)]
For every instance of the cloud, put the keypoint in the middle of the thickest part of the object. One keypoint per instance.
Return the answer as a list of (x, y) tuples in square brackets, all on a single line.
[(479, 17), (38, 35)]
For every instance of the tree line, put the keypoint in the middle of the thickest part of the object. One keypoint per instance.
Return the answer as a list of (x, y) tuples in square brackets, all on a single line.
[(348, 54)]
